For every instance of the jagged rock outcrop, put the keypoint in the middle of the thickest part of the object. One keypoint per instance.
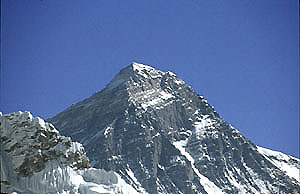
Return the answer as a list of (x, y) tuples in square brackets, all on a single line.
[(36, 159), (36, 142), (162, 137)]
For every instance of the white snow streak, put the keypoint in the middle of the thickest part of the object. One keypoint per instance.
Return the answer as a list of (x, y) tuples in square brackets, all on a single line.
[(136, 182), (209, 186)]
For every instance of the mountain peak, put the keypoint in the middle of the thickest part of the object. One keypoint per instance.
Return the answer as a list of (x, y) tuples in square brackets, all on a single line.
[(145, 71), (137, 72), (141, 67), (159, 134)]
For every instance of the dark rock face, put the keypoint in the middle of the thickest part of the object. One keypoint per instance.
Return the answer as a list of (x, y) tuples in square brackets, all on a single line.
[(152, 124)]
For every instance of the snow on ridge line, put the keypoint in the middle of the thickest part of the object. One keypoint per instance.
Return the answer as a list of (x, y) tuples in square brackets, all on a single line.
[(208, 186), (282, 162), (146, 71), (30, 142), (57, 175), (140, 66), (276, 154), (137, 67)]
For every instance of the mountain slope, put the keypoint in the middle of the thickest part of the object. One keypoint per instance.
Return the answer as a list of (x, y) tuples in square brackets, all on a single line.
[(286, 163), (36, 159), (162, 137)]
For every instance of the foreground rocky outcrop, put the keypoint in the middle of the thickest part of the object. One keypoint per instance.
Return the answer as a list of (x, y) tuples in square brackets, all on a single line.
[(36, 159)]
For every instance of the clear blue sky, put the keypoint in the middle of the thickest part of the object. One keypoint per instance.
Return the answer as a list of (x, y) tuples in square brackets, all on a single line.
[(241, 55)]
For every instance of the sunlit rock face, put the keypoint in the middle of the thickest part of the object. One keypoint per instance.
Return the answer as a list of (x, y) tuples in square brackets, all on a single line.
[(36, 159), (161, 137), (32, 143)]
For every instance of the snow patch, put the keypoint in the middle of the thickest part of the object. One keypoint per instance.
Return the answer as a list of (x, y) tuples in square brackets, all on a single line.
[(158, 99), (205, 126), (107, 130)]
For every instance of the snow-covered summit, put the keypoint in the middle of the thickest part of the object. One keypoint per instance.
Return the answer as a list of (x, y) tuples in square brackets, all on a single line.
[(36, 159), (141, 67), (148, 86), (138, 73)]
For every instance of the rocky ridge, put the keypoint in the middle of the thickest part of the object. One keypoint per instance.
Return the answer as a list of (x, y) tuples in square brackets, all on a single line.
[(162, 137), (35, 158)]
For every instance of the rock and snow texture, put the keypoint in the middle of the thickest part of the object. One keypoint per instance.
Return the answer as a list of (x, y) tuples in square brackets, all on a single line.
[(161, 137), (288, 164), (209, 186), (36, 159)]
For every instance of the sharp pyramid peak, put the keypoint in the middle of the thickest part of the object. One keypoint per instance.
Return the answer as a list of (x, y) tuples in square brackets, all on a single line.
[(142, 69), (135, 71), (155, 128), (135, 66), (140, 66)]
